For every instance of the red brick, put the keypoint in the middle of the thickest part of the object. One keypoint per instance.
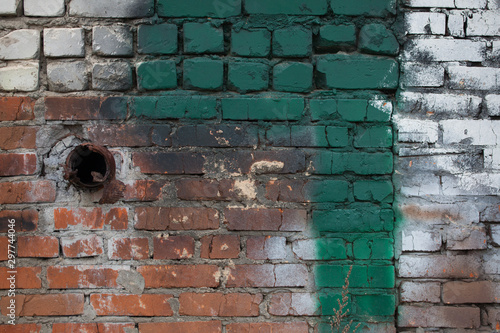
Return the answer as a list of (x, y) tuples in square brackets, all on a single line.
[(265, 219), (25, 220), (17, 164), (37, 246), (17, 108), (457, 292), (266, 247), (18, 137), (82, 246), (90, 219), (27, 192), (206, 189), (130, 135), (180, 276), (26, 277), (145, 305), (173, 247), (265, 162), (46, 305), (21, 328), (220, 246), (267, 275), (439, 316), (85, 108), (171, 163), (288, 190), (219, 305), (213, 326), (4, 245), (84, 276), (295, 327), (144, 190), (133, 248), (92, 327), (167, 218)]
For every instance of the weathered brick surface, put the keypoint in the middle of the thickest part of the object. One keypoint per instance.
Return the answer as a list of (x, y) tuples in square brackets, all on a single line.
[(25, 278), (173, 247), (136, 248), (90, 219), (92, 327), (38, 246), (147, 305), (73, 277), (17, 136), (180, 276), (212, 326), (69, 304), (82, 246), (295, 327), (171, 218), (220, 247), (265, 219), (17, 164), (216, 304), (268, 275), (16, 108)]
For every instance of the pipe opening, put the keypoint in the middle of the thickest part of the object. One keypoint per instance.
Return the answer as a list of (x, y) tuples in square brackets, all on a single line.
[(90, 166)]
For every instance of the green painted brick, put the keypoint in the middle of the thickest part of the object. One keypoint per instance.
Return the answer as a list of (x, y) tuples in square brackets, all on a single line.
[(373, 137), (329, 276), (203, 38), (196, 8), (330, 301), (262, 108), (365, 218), (379, 111), (287, 7), (375, 8), (346, 71), (335, 36), (205, 74), (360, 163), (174, 107), (251, 43), (279, 136), (323, 109), (337, 136), (248, 76), (154, 75), (381, 276), (331, 249), (375, 305), (293, 77), (292, 42), (375, 249), (321, 163), (308, 136), (377, 39), (157, 39), (352, 109), (373, 190), (327, 191)]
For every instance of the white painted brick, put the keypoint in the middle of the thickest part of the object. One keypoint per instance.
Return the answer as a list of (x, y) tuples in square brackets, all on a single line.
[(477, 78), (420, 75), (419, 185), (461, 239), (430, 3), (492, 103), (437, 104), (425, 215), (44, 8), (439, 266), (421, 241), (491, 263), (492, 158), (481, 4), (9, 7), (493, 4), (425, 23), (413, 130), (444, 49), (471, 132), (20, 44), (111, 8), (22, 77), (484, 23), (471, 184), (495, 234), (456, 23), (429, 292), (67, 76), (64, 42)]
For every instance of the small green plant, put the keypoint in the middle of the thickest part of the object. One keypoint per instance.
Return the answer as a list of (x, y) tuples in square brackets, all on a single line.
[(341, 313)]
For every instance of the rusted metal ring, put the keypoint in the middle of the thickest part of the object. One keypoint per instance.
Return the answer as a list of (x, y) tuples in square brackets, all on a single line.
[(90, 166)]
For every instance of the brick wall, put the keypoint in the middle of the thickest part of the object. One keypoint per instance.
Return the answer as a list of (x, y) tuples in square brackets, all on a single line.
[(254, 140)]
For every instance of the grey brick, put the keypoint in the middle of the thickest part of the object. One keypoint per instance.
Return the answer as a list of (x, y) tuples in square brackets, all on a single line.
[(44, 8), (439, 316), (64, 42), (111, 8), (439, 104), (477, 78), (428, 292), (438, 164), (9, 7), (112, 41), (471, 184), (112, 76), (430, 3), (421, 241), (420, 75), (20, 44), (418, 185), (22, 77), (67, 76), (439, 266), (468, 238), (484, 23), (493, 104), (414, 130), (471, 132), (456, 23), (481, 4)]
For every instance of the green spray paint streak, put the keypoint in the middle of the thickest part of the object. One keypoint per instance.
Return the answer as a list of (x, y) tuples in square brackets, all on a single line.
[(356, 228)]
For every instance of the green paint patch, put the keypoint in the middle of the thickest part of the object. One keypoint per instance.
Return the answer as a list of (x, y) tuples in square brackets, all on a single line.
[(262, 108), (174, 107)]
